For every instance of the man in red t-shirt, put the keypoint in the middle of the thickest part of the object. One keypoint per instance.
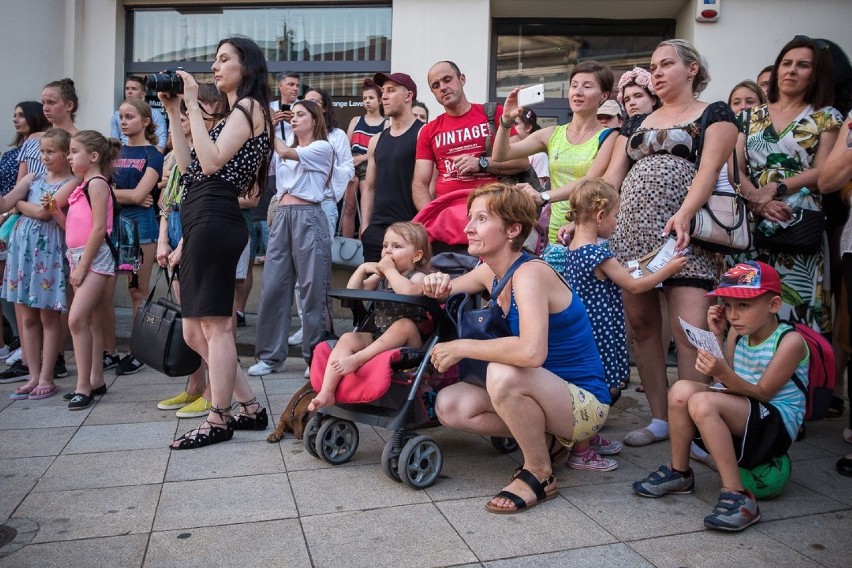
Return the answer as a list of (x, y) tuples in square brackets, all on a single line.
[(452, 147)]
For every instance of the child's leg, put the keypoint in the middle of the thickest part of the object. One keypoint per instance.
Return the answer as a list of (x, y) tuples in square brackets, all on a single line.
[(30, 343), (81, 317), (140, 293), (96, 374), (718, 416), (402, 333), (51, 324), (348, 344), (681, 425)]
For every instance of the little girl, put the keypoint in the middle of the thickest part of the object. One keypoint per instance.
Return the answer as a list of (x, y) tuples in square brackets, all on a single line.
[(405, 257), (597, 278), (34, 276), (136, 173), (92, 264)]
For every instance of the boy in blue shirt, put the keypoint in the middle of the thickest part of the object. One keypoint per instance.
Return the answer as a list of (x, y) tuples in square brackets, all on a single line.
[(754, 410)]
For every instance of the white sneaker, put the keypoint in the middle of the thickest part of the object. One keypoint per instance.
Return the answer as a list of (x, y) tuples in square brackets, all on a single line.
[(308, 373), (296, 338), (261, 369), (4, 351), (14, 357)]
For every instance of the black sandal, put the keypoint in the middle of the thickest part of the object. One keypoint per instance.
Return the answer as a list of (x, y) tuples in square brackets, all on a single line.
[(538, 488), (215, 434), (259, 421)]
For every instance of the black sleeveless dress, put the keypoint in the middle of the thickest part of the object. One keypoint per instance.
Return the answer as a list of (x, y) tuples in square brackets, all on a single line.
[(214, 230)]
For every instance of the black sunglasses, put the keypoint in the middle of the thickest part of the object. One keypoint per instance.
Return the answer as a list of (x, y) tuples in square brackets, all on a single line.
[(816, 43)]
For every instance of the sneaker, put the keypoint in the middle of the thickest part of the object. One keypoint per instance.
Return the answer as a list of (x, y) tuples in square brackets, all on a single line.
[(178, 401), (588, 459), (110, 361), (604, 447), (733, 512), (15, 344), (296, 338), (129, 365), (261, 369), (60, 371), (14, 374), (200, 407), (5, 351), (14, 357), (665, 481), (308, 373), (241, 319)]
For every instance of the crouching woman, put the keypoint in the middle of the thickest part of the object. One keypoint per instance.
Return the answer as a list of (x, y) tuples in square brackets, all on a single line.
[(546, 379)]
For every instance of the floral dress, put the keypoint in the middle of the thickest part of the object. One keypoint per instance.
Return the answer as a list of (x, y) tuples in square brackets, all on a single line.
[(662, 168), (35, 273), (772, 157)]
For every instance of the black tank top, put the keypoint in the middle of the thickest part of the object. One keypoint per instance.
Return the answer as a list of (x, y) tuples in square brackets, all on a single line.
[(394, 172)]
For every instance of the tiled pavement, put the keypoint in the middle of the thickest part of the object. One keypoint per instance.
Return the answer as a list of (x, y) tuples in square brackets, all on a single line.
[(99, 488)]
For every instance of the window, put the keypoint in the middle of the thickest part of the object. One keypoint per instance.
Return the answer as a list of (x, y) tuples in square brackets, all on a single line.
[(544, 51)]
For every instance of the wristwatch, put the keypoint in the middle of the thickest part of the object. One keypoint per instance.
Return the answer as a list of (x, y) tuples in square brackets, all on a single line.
[(483, 163), (781, 189), (545, 196)]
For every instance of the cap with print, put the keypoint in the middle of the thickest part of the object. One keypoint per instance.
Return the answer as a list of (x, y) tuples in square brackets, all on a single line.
[(748, 280), (401, 78)]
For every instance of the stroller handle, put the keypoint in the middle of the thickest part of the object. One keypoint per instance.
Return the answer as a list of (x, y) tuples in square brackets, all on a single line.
[(446, 329)]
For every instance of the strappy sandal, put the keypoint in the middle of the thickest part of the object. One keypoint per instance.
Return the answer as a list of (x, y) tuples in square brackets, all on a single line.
[(215, 434), (557, 451), (538, 488), (259, 421)]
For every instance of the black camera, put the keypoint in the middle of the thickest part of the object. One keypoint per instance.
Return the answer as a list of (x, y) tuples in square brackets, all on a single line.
[(167, 81)]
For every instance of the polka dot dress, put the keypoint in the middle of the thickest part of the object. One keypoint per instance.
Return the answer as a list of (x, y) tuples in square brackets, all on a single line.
[(604, 305)]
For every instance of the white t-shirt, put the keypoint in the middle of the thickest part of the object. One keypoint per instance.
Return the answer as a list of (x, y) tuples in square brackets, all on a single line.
[(344, 167), (306, 177), (540, 165)]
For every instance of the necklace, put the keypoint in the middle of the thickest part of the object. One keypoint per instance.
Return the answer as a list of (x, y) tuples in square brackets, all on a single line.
[(581, 137), (683, 110)]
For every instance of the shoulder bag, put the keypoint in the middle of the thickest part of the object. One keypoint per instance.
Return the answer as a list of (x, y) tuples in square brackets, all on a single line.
[(483, 323), (721, 225), (157, 336)]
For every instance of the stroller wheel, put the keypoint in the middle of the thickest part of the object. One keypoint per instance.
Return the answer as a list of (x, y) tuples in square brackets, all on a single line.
[(420, 462), (391, 451), (337, 441), (504, 445), (310, 434)]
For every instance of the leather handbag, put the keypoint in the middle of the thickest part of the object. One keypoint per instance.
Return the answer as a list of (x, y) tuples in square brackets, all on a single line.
[(721, 225), (488, 322), (802, 236), (157, 336), (347, 252)]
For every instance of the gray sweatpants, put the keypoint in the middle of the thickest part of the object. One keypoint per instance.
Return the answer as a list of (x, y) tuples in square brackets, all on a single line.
[(299, 249)]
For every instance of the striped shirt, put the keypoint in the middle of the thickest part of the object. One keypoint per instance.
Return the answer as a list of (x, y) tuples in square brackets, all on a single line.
[(750, 363), (31, 154), (361, 135)]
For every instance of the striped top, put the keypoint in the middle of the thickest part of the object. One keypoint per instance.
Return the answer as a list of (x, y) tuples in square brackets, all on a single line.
[(750, 363), (362, 134), (31, 154)]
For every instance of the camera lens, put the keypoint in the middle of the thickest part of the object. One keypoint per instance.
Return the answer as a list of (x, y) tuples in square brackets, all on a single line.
[(165, 82)]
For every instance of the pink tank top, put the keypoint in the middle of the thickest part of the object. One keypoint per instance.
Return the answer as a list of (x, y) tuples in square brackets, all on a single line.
[(78, 222)]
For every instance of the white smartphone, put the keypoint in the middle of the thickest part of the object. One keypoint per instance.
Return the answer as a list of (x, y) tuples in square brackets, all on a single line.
[(531, 96), (718, 387)]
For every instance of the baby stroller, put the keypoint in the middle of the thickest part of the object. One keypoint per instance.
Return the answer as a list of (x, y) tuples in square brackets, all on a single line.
[(396, 390)]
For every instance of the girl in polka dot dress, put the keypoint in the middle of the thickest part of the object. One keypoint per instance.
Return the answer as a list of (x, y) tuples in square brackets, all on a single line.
[(597, 278)]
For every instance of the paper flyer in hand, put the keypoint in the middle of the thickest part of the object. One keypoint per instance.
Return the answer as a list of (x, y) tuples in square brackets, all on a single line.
[(663, 256), (701, 339)]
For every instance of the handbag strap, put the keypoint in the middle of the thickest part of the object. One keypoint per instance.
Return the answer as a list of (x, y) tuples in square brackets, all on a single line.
[(497, 288)]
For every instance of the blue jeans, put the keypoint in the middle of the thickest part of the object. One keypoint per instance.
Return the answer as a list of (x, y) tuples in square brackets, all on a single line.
[(259, 238)]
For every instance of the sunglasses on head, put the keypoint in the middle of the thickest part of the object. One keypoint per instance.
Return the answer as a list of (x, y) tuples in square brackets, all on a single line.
[(816, 43)]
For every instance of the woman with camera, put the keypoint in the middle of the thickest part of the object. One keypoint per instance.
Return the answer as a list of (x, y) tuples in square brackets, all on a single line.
[(225, 163)]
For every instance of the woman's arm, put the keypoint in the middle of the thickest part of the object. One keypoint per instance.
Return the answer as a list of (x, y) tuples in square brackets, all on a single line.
[(33, 210), (19, 192), (619, 163), (439, 286), (837, 169)]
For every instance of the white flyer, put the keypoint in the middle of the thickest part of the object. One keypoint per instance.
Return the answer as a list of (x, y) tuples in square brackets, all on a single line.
[(664, 255), (701, 338)]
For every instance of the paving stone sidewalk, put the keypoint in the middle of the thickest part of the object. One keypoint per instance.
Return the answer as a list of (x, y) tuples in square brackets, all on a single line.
[(99, 487)]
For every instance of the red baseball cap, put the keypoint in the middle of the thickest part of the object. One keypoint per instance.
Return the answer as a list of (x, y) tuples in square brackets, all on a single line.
[(748, 280), (401, 78)]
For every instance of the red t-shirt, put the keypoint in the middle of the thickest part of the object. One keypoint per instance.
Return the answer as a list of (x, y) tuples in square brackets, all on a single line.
[(448, 137)]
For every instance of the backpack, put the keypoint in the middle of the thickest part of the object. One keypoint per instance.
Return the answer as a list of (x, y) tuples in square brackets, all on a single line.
[(822, 374), (123, 243)]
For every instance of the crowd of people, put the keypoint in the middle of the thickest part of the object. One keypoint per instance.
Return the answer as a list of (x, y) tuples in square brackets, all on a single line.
[(639, 158)]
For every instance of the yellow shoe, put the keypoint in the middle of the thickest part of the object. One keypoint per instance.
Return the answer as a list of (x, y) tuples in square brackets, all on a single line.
[(198, 408), (178, 401)]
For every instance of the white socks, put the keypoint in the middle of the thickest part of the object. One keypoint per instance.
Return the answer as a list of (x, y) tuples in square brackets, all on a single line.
[(660, 428)]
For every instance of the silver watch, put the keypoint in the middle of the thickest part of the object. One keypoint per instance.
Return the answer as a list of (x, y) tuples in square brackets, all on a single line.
[(545, 196)]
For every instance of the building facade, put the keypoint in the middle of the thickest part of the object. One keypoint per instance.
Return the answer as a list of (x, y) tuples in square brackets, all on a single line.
[(334, 45)]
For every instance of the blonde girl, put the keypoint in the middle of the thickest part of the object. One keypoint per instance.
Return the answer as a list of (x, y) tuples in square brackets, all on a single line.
[(34, 278), (88, 222), (405, 259)]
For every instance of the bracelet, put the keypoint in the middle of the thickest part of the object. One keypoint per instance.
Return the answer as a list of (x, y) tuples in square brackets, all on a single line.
[(506, 126)]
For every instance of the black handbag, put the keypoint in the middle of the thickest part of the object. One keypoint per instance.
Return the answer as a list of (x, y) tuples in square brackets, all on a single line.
[(802, 236), (157, 336), (488, 322)]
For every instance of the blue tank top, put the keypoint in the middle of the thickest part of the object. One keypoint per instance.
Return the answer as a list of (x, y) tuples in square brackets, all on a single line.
[(572, 353)]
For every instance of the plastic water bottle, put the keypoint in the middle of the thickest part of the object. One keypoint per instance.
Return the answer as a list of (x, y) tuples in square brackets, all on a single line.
[(768, 228)]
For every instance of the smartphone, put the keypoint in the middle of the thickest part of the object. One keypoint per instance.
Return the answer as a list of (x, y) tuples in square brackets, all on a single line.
[(718, 388), (531, 96), (284, 107)]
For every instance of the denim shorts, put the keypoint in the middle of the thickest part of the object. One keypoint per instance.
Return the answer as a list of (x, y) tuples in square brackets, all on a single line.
[(146, 223), (175, 228), (103, 263)]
